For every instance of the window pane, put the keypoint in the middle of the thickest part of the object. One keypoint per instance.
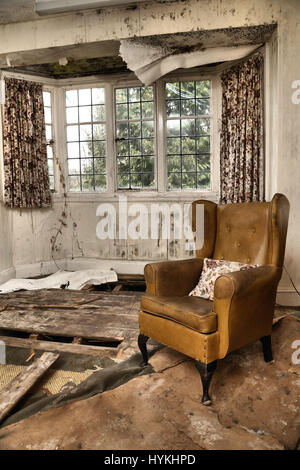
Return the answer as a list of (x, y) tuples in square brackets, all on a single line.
[(48, 117), (99, 148), (100, 165), (121, 112), (172, 90), (99, 132), (86, 142), (173, 128), (187, 107), (87, 166), (174, 181), (98, 113), (86, 132), (49, 152), (123, 165), (134, 94), (148, 128), (188, 163), (134, 129), (50, 167), (121, 95), (47, 98), (48, 132), (85, 114), (174, 163), (124, 181), (134, 110), (188, 139), (135, 164), (203, 106), (173, 108), (98, 96), (188, 89), (202, 88), (49, 135), (74, 183), (136, 180), (87, 183), (203, 145), (147, 93), (189, 180), (147, 109), (122, 130), (86, 149), (72, 115), (173, 145), (85, 97), (100, 182), (73, 150), (148, 164), (74, 167), (71, 98), (72, 133)]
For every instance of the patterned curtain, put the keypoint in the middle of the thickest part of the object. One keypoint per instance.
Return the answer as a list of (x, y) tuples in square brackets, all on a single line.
[(26, 179), (242, 142)]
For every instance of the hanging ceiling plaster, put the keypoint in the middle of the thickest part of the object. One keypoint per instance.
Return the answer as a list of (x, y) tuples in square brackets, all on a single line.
[(102, 57), (150, 65)]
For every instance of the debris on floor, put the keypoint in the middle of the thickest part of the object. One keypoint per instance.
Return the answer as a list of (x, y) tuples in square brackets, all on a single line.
[(80, 322), (62, 279), (256, 405)]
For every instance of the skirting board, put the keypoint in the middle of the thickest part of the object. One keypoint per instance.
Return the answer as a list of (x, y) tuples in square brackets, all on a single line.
[(7, 274), (76, 264), (285, 296)]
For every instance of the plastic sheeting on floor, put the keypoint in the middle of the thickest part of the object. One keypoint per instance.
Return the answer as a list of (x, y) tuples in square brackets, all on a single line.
[(62, 279)]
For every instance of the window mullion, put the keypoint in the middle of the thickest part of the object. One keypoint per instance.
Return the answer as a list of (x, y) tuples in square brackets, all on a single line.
[(111, 164), (161, 160)]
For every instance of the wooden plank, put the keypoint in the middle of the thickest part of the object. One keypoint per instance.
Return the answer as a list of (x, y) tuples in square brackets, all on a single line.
[(24, 381), (108, 317), (42, 345), (109, 327)]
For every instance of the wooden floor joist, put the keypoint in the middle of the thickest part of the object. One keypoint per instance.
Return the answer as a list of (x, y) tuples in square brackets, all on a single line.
[(57, 346), (62, 320), (24, 381)]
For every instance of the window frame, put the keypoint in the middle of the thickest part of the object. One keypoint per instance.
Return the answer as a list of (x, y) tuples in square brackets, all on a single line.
[(51, 90), (215, 119), (83, 87), (160, 191), (133, 84)]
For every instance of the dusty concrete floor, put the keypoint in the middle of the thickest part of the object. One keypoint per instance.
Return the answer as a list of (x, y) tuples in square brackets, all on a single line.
[(255, 406)]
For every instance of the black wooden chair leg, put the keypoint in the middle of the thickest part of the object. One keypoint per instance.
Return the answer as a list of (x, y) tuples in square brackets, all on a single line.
[(267, 348), (206, 372), (142, 340)]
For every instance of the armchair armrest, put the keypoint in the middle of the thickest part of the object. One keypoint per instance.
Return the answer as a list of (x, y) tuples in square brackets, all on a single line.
[(173, 278), (244, 303)]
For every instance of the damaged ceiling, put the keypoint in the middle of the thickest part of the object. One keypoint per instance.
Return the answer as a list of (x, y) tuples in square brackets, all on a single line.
[(103, 57)]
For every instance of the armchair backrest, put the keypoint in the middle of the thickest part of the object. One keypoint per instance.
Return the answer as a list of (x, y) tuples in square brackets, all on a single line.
[(251, 232)]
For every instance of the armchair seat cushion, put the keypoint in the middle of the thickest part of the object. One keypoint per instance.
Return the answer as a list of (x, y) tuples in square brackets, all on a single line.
[(193, 312)]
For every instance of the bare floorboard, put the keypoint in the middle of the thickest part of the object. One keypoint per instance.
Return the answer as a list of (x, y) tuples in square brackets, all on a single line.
[(100, 316)]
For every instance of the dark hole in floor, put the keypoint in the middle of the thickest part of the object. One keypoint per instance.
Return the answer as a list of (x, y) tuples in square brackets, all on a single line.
[(63, 339), (107, 344)]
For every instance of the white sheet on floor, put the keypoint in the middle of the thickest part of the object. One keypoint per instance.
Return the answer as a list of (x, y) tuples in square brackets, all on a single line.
[(71, 280)]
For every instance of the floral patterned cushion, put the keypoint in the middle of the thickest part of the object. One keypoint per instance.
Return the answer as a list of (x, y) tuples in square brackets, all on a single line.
[(212, 269)]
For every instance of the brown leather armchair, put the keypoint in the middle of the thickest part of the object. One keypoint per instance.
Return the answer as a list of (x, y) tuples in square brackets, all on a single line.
[(243, 306)]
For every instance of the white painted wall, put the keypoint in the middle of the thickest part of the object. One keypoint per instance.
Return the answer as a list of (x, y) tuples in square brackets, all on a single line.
[(31, 231)]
